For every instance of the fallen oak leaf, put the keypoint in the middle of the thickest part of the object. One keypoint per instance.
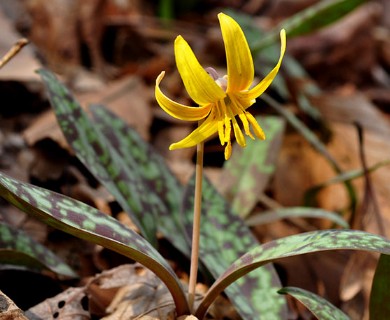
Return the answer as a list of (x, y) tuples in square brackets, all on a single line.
[(141, 294)]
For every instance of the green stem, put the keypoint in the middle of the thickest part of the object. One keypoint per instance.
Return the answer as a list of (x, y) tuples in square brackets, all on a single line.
[(196, 224)]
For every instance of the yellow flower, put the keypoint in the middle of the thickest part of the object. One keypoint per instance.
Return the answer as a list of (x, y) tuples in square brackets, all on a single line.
[(220, 100)]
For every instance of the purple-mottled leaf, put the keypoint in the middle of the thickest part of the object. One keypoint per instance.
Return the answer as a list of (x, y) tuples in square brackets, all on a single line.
[(249, 170), (294, 212), (292, 246), (17, 248), (85, 222), (380, 292), (225, 237), (140, 156), (103, 160), (320, 307)]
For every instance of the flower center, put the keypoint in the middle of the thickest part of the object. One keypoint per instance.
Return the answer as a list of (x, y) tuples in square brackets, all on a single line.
[(227, 109)]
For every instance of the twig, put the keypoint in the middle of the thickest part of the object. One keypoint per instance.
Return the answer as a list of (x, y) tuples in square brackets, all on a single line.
[(13, 51)]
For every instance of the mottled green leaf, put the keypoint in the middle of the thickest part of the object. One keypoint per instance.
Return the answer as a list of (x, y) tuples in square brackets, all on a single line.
[(292, 246), (380, 292), (311, 19), (103, 160), (151, 167), (85, 222), (224, 237), (294, 212), (249, 170), (17, 248), (320, 307)]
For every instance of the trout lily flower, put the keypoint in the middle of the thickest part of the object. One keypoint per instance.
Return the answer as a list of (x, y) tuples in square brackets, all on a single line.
[(220, 99)]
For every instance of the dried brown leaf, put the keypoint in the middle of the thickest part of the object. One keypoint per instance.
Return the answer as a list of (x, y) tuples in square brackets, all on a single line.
[(45, 126), (299, 167), (139, 293), (72, 304), (350, 107), (187, 318), (354, 278), (9, 310), (345, 49), (128, 98)]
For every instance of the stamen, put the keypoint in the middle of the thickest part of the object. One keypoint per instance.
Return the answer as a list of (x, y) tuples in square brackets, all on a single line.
[(238, 109), (220, 117), (228, 150), (228, 128), (245, 123), (221, 132), (238, 133), (256, 128)]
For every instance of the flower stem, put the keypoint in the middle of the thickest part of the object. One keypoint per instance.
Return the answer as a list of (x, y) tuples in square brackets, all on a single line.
[(196, 224)]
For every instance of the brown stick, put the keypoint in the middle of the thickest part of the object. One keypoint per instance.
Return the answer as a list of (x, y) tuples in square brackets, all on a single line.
[(13, 51)]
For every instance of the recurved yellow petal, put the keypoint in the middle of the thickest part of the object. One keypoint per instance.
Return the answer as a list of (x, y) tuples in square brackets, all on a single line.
[(204, 131), (198, 83), (177, 110), (240, 68), (265, 83)]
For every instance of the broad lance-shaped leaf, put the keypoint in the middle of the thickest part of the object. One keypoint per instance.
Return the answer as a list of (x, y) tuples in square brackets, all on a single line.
[(320, 307), (139, 155), (85, 222), (223, 238), (294, 212), (380, 291), (292, 246), (17, 248), (248, 172), (103, 160)]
